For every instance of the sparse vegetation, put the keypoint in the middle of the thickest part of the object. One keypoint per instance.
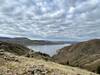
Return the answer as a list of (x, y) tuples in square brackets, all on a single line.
[(84, 55), (39, 55), (14, 48), (33, 66)]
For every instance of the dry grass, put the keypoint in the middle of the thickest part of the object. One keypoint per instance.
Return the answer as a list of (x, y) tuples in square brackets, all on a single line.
[(84, 55), (24, 64)]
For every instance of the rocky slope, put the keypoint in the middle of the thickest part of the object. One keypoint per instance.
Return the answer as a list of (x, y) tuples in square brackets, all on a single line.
[(84, 54), (11, 64), (20, 50), (14, 48)]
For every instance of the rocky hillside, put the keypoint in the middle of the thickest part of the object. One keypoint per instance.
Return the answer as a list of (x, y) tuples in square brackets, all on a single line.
[(11, 64), (84, 54), (20, 50), (14, 48)]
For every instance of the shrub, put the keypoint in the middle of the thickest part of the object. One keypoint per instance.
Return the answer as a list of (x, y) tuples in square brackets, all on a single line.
[(98, 69)]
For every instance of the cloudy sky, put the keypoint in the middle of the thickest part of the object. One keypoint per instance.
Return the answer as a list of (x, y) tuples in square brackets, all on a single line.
[(50, 19)]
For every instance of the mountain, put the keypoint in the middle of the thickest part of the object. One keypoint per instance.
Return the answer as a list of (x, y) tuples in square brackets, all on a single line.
[(13, 64), (84, 55), (25, 41)]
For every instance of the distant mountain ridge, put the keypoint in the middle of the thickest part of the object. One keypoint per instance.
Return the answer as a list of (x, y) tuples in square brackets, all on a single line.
[(26, 41)]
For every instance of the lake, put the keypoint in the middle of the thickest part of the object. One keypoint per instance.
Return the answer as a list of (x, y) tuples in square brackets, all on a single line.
[(48, 49)]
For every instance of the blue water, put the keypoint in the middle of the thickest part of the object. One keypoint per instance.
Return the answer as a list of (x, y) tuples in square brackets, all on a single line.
[(48, 49)]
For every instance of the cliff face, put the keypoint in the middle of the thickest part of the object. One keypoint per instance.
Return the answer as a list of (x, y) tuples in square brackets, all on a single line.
[(84, 54)]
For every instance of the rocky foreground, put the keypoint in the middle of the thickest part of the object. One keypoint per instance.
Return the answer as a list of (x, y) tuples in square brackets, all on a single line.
[(11, 64)]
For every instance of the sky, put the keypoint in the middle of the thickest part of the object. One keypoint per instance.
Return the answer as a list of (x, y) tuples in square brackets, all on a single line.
[(50, 19)]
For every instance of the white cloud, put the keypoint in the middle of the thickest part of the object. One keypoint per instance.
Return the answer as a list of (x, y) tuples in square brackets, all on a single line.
[(48, 19)]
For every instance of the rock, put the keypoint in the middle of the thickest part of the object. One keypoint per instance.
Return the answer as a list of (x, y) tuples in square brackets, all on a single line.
[(37, 70), (11, 58), (1, 52)]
